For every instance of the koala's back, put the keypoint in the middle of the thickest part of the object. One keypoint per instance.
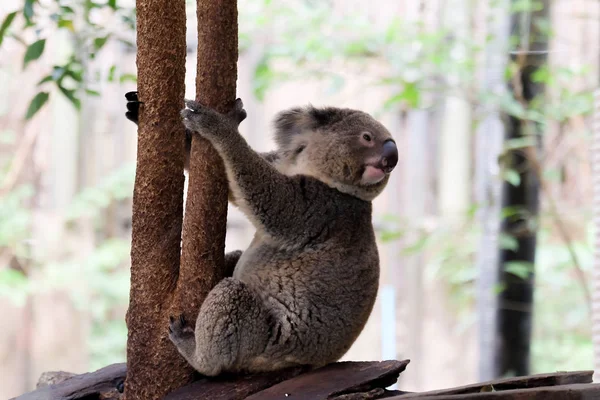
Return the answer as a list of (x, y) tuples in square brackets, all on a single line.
[(320, 293)]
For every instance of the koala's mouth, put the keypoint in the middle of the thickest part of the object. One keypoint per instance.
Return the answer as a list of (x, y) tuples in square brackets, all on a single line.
[(372, 175)]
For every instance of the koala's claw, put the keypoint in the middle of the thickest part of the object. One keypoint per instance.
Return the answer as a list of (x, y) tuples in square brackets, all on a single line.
[(179, 329), (238, 113), (193, 105), (133, 106), (131, 96)]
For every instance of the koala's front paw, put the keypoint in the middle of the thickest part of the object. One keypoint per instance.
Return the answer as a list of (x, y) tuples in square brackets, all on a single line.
[(133, 107), (179, 330), (208, 122)]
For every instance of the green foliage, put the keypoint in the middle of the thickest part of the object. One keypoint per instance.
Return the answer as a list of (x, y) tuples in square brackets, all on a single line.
[(6, 24), (300, 49), (71, 78), (34, 51), (36, 104), (562, 324), (98, 284)]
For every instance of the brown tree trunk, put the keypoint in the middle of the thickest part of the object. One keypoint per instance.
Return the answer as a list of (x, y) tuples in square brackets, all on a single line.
[(160, 285), (154, 365), (206, 206)]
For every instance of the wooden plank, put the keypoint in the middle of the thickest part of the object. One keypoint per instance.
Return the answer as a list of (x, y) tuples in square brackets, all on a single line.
[(563, 392), (335, 380), (521, 382), (104, 383), (231, 387)]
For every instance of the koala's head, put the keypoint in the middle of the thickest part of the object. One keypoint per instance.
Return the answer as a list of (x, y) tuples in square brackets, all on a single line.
[(344, 148)]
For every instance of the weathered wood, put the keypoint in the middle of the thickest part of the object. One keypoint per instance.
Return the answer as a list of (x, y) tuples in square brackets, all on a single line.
[(335, 380), (579, 391), (105, 383), (339, 381), (52, 378), (521, 382), (233, 387)]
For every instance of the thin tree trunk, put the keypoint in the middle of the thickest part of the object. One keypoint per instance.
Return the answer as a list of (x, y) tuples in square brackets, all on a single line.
[(206, 205), (516, 298), (154, 366)]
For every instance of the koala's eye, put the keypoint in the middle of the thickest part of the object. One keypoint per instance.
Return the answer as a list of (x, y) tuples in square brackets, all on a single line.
[(299, 149), (367, 137)]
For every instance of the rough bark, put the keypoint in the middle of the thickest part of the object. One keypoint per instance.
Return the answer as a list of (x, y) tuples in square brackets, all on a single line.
[(154, 366), (205, 219)]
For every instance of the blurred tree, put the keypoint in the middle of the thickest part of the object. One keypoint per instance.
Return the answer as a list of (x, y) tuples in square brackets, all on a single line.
[(520, 192)]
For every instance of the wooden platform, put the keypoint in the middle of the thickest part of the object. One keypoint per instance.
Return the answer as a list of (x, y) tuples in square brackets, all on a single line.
[(339, 381)]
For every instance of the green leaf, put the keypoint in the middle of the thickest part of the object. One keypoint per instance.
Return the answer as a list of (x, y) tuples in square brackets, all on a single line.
[(112, 4), (92, 92), (111, 73), (522, 269), (410, 94), (38, 101), (66, 23), (128, 77), (387, 236), (47, 78), (513, 212), (34, 51), (76, 75), (67, 10), (262, 78), (508, 242), (99, 42), (6, 24), (28, 10), (511, 176), (526, 6), (519, 143), (70, 94), (393, 30)]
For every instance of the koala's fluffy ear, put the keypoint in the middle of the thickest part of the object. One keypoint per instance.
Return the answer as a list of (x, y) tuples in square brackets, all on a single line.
[(296, 121)]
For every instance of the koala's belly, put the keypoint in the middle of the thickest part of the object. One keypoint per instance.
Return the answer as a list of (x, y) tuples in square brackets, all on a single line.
[(322, 297)]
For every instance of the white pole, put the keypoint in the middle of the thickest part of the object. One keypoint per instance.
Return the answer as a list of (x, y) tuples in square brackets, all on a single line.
[(595, 156)]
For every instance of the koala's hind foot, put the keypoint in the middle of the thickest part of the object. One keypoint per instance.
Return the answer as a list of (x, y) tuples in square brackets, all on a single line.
[(182, 336), (133, 107)]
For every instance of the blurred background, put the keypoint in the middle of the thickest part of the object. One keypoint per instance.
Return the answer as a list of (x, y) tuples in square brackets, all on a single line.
[(463, 85)]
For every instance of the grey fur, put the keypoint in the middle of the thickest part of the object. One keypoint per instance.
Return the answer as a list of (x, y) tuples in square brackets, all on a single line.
[(303, 290)]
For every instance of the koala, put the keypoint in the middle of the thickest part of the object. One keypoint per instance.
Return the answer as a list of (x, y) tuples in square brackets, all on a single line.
[(302, 291)]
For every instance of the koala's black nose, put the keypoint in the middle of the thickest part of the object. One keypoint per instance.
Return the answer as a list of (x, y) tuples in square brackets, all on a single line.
[(389, 156)]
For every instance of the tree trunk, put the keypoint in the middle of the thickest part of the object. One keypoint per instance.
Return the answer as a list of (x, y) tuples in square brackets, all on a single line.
[(206, 205), (160, 285), (154, 366), (516, 298)]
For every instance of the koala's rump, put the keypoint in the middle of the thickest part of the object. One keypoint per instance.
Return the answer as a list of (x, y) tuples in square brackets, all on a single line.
[(320, 297)]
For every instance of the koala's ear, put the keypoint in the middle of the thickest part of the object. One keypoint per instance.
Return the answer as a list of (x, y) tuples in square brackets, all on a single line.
[(299, 120)]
